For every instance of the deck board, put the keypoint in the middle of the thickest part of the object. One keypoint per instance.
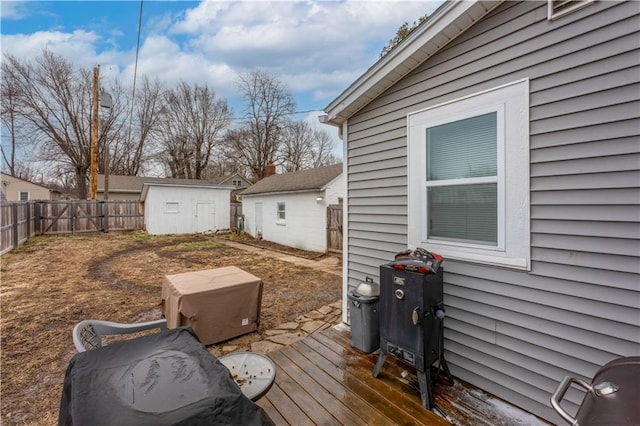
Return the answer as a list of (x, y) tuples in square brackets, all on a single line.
[(322, 380)]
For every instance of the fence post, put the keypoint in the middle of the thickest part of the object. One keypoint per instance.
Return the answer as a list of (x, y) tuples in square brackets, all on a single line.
[(38, 218), (73, 216), (14, 224), (105, 216), (29, 204)]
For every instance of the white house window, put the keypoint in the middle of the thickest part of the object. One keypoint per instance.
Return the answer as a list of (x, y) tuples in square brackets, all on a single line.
[(171, 207), (237, 183), (462, 179), (280, 219), (468, 194), (23, 196), (559, 8)]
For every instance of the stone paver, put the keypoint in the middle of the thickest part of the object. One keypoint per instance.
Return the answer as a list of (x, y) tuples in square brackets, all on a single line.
[(288, 326), (315, 315), (325, 310), (312, 326), (287, 338)]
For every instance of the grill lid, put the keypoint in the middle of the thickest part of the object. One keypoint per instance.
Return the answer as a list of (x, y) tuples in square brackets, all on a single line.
[(418, 260)]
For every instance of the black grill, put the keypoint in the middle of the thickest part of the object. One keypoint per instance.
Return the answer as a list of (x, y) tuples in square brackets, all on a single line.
[(411, 313)]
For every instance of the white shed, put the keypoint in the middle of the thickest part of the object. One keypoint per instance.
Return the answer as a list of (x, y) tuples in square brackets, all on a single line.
[(291, 208), (185, 208)]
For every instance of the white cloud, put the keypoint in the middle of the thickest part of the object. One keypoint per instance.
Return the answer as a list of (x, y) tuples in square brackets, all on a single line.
[(315, 47), (78, 45), (315, 43), (13, 10)]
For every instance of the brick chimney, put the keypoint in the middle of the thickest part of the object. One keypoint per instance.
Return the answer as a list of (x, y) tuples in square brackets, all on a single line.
[(271, 170)]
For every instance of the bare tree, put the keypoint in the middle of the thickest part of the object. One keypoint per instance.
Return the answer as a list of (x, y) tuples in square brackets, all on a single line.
[(128, 129), (10, 124), (53, 105), (297, 145), (322, 149), (267, 113), (193, 123), (54, 101), (304, 147)]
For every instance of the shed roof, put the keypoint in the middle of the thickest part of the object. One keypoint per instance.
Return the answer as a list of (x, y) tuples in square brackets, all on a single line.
[(448, 21), (304, 180), (132, 184), (182, 183)]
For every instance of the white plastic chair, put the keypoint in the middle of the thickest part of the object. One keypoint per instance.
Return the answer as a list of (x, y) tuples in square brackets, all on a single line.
[(88, 334)]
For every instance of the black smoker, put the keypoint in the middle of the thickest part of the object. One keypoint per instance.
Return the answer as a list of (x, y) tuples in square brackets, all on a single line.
[(411, 310)]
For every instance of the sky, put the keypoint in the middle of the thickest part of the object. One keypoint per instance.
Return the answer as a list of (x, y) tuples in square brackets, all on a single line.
[(315, 48)]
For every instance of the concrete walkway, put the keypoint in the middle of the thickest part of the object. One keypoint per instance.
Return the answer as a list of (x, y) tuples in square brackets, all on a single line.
[(290, 332)]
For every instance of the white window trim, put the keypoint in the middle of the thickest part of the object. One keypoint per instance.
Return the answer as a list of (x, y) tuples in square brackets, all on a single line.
[(513, 248), (284, 210), (24, 192)]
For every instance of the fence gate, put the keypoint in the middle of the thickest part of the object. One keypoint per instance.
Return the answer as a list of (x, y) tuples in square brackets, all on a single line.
[(61, 217), (334, 228), (236, 213)]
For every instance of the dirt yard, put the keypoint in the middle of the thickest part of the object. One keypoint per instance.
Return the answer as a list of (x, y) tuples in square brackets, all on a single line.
[(52, 282)]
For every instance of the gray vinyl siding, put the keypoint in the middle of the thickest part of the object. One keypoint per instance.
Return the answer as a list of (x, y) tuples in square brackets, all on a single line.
[(517, 334)]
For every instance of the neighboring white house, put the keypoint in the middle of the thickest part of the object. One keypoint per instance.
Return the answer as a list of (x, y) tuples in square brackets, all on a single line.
[(291, 208), (504, 136), (184, 208)]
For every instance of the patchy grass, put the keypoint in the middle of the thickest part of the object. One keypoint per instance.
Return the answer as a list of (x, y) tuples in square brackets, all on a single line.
[(53, 282), (195, 245)]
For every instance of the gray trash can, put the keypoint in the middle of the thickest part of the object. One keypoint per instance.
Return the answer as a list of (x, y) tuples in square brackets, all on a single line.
[(365, 322)]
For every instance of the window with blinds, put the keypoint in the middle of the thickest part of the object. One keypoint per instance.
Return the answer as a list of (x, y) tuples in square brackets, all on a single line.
[(462, 180)]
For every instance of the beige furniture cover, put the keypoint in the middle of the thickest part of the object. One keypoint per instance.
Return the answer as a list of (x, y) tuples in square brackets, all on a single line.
[(218, 304)]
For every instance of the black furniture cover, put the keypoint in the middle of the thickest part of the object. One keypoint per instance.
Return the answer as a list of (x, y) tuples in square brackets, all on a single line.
[(166, 378)]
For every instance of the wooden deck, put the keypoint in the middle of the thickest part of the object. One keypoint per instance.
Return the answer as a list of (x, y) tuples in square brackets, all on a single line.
[(322, 380)]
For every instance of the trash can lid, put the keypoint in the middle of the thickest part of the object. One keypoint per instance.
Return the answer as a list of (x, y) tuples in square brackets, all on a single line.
[(368, 288)]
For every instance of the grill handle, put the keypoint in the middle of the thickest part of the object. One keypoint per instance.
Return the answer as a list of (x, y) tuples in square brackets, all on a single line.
[(558, 395)]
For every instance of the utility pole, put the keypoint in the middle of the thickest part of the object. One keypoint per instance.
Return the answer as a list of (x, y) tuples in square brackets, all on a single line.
[(94, 133)]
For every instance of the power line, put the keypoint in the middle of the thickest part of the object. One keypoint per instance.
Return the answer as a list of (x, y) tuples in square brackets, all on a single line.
[(135, 70)]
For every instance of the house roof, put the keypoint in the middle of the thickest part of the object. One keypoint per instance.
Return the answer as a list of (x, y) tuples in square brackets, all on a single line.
[(134, 184), (449, 21), (304, 180), (8, 178)]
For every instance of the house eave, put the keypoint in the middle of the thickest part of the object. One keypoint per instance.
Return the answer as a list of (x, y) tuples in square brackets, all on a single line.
[(445, 24)]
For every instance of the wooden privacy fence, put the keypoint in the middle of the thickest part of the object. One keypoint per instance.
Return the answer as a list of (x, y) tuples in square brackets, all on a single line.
[(236, 213), (22, 220), (334, 228)]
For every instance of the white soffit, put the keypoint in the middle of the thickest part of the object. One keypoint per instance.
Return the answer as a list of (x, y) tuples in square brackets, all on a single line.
[(446, 23)]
